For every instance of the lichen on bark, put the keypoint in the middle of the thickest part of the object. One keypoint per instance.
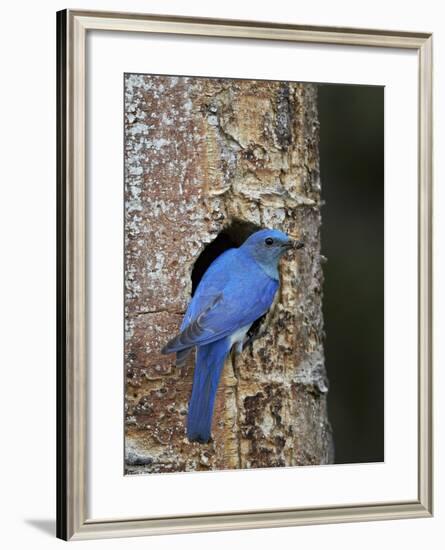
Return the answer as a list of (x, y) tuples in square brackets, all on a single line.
[(199, 154)]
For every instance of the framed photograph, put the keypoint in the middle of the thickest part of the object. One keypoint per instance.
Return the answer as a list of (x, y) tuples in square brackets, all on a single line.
[(244, 274)]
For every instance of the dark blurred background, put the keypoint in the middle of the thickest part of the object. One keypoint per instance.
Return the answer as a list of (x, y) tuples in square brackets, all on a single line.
[(352, 163)]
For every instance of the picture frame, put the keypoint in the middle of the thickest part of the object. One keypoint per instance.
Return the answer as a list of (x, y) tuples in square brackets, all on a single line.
[(73, 521)]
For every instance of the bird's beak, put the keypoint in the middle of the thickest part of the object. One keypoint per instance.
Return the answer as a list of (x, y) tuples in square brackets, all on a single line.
[(293, 244)]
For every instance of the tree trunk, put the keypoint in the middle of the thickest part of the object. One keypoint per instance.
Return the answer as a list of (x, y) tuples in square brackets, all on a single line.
[(203, 156)]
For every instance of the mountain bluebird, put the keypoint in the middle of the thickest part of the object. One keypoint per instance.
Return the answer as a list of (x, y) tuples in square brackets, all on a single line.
[(236, 290)]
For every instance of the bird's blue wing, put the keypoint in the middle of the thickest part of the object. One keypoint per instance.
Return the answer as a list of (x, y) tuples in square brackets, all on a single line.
[(233, 293), (212, 282)]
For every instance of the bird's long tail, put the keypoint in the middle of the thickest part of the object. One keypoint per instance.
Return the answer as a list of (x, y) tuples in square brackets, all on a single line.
[(208, 368)]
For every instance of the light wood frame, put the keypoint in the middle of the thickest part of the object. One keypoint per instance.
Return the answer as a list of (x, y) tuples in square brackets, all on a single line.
[(72, 521)]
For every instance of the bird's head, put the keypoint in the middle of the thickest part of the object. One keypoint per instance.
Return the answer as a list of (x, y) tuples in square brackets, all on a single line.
[(268, 245)]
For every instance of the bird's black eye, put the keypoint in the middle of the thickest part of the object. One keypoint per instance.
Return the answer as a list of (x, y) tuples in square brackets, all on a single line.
[(268, 241)]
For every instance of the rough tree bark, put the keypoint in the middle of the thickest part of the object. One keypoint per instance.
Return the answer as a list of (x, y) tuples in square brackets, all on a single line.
[(199, 155)]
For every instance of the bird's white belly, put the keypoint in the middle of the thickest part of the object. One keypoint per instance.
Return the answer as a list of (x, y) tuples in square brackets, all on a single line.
[(237, 338)]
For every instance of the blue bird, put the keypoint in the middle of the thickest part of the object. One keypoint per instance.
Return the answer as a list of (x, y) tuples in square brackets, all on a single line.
[(236, 290)]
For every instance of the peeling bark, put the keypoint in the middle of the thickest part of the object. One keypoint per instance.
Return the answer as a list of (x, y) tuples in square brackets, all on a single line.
[(200, 153)]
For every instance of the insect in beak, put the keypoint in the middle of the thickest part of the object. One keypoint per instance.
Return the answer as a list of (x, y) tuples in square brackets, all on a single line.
[(297, 244), (293, 244)]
